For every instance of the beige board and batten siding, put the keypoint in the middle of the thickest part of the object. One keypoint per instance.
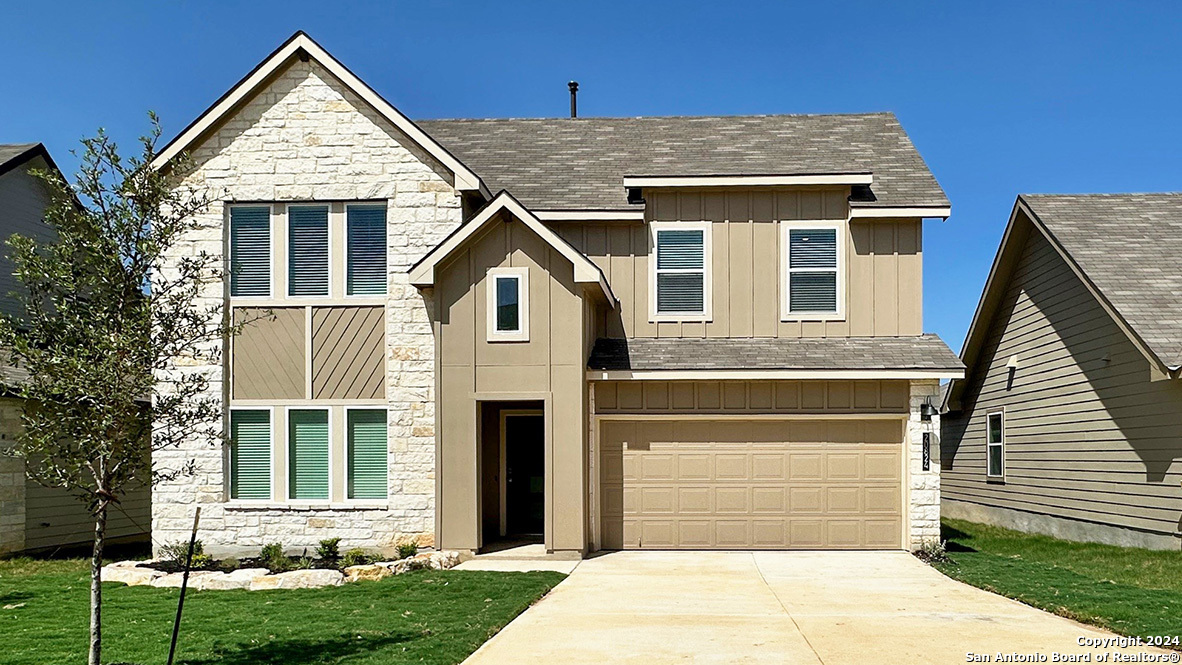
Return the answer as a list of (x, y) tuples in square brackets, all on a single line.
[(884, 275), (786, 464), (1089, 437), (549, 367)]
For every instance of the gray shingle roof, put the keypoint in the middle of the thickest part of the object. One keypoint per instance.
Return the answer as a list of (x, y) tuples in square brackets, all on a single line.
[(1128, 247), (9, 151), (564, 163), (885, 353)]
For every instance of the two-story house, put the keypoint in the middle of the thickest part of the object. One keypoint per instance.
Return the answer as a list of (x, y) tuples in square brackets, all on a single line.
[(682, 332)]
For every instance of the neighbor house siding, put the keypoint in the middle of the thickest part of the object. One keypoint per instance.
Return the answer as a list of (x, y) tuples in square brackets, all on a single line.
[(1088, 435), (551, 366), (883, 274), (23, 199)]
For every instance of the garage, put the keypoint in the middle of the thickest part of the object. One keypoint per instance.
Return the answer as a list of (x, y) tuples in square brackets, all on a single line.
[(752, 483)]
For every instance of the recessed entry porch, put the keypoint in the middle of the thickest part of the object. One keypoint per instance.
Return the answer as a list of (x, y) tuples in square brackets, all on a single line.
[(512, 461)]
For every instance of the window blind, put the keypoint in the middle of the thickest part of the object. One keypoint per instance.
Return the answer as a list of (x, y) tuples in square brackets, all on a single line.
[(250, 455), (307, 253), (367, 454), (681, 271), (366, 270), (812, 270), (308, 454), (250, 251)]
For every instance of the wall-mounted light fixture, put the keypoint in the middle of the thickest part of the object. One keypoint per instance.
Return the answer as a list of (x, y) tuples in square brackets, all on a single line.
[(926, 411)]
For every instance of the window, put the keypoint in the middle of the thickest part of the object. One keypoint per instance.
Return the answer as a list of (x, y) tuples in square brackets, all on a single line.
[(366, 250), (508, 305), (250, 454), (366, 432), (307, 250), (995, 444), (813, 260), (307, 453), (250, 251), (681, 280)]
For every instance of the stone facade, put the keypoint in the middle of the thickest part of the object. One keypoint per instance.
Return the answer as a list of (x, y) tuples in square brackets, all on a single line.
[(923, 486), (307, 137)]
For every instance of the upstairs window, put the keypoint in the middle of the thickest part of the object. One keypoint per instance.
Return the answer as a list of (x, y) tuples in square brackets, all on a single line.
[(680, 274), (250, 251), (365, 260), (995, 445), (813, 267), (307, 250), (508, 305)]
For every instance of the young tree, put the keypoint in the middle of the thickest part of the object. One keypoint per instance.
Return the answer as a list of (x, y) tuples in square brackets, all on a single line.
[(115, 308)]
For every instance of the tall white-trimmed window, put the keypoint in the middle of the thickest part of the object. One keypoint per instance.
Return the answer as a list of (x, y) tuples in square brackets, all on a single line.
[(308, 454), (307, 250), (250, 251), (995, 437), (508, 305), (365, 250), (814, 271), (680, 272), (250, 454)]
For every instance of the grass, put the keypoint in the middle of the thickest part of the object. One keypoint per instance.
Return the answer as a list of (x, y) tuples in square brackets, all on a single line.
[(424, 617), (1126, 590)]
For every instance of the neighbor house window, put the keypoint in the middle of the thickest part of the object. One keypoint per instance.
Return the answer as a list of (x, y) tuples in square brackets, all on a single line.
[(307, 250), (508, 305), (681, 279), (995, 444), (365, 261), (250, 454), (366, 450), (307, 454), (250, 251), (813, 267)]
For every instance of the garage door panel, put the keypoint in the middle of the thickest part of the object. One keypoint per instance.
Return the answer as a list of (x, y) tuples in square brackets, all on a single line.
[(807, 484)]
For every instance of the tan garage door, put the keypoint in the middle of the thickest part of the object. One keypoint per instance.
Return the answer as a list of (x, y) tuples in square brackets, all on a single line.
[(752, 484)]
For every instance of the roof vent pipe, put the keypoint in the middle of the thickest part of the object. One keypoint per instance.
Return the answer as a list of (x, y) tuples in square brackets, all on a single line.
[(574, 93)]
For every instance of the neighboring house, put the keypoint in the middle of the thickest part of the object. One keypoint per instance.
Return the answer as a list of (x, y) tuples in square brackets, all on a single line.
[(33, 517), (597, 333), (1069, 419)]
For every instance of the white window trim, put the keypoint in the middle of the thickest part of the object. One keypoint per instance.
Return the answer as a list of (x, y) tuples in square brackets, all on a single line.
[(786, 315), (345, 241), (385, 411), (287, 248), (270, 410), (230, 251), (1001, 445), (707, 273), (287, 455), (490, 287)]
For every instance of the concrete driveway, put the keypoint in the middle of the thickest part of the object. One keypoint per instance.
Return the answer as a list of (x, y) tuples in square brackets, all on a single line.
[(825, 608)]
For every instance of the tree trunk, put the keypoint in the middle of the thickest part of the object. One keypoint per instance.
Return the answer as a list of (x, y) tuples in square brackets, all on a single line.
[(96, 581)]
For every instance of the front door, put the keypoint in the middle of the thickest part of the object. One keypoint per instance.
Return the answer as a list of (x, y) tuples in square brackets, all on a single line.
[(525, 499)]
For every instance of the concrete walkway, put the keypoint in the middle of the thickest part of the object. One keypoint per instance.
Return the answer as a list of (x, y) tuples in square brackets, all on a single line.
[(828, 608)]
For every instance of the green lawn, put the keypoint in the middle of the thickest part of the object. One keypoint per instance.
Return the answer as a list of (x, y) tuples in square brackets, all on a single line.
[(422, 617), (1127, 590)]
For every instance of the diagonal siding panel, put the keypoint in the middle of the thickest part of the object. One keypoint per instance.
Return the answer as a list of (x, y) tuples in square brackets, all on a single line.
[(347, 353)]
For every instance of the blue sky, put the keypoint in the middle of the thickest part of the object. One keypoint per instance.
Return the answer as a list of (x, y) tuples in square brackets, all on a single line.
[(1000, 98)]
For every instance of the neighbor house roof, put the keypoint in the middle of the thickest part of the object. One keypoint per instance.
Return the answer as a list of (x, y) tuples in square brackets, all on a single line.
[(1123, 247), (580, 164), (883, 355), (13, 155)]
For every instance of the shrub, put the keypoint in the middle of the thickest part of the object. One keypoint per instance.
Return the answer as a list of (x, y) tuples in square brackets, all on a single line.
[(329, 549), (230, 564), (356, 557), (407, 549), (273, 558), (173, 555), (933, 551), (304, 563)]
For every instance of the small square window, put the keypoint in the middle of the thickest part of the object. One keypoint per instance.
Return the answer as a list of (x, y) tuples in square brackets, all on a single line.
[(508, 305)]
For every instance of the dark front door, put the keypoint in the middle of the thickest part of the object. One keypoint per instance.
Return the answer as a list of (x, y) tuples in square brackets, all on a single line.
[(525, 498)]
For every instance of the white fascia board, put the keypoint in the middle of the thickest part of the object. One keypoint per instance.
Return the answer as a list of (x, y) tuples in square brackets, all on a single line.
[(749, 180), (943, 212), (423, 273), (765, 374), (590, 215), (465, 178)]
